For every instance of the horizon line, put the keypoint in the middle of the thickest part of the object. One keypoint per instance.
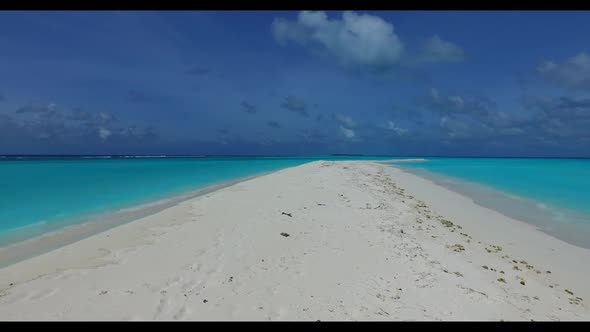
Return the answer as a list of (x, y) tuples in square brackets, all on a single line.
[(273, 155)]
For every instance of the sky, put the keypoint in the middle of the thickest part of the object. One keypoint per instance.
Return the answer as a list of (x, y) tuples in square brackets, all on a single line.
[(450, 83)]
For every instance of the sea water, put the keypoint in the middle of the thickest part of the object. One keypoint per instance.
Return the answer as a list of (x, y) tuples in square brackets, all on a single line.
[(552, 194), (39, 195)]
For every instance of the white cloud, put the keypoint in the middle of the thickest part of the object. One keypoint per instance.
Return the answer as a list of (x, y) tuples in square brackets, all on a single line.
[(358, 40), (345, 121), (105, 117), (104, 133), (348, 133), (393, 127), (457, 101), (438, 50), (449, 104), (572, 73)]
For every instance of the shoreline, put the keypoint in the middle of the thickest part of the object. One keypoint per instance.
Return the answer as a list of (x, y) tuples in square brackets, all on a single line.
[(71, 231), (519, 208), (328, 240), (520, 236)]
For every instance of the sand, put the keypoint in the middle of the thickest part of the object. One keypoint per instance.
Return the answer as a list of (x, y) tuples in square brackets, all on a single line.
[(343, 240)]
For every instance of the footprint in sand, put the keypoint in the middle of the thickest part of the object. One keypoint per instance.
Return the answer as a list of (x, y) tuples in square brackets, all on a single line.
[(192, 286), (200, 252), (171, 284), (43, 294), (196, 267), (162, 307), (68, 275), (11, 298)]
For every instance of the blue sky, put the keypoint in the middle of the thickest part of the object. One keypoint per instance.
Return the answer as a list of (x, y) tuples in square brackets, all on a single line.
[(280, 82)]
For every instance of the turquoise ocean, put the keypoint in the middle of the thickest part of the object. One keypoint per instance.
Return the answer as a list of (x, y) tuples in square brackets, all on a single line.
[(552, 194), (41, 195)]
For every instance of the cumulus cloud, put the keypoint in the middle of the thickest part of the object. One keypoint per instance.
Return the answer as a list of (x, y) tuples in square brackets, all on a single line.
[(45, 124), (273, 124), (345, 121), (447, 104), (541, 120), (354, 40), (567, 103), (295, 105), (248, 108), (559, 117), (79, 115), (456, 105), (468, 117), (562, 107), (477, 124), (105, 117), (104, 133), (573, 73), (347, 133), (436, 49), (391, 126), (572, 114)]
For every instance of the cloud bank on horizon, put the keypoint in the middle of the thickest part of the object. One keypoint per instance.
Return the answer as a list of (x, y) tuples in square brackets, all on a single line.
[(309, 82)]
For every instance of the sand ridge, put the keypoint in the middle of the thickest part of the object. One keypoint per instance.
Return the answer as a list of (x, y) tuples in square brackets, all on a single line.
[(322, 241)]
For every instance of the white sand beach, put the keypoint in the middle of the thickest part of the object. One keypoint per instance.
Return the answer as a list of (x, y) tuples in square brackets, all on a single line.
[(349, 240)]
